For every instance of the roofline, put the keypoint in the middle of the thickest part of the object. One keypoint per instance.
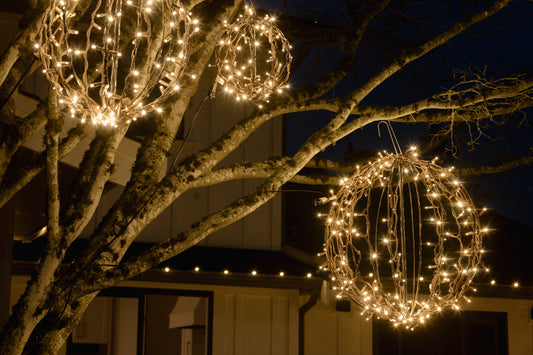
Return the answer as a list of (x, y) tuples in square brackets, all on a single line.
[(302, 283)]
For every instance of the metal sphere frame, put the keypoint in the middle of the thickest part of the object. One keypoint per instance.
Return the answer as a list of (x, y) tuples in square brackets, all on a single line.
[(253, 58), (403, 239), (117, 62)]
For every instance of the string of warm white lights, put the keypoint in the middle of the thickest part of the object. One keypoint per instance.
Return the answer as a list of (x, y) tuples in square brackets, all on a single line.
[(403, 239), (118, 63), (253, 57), (252, 272), (309, 275)]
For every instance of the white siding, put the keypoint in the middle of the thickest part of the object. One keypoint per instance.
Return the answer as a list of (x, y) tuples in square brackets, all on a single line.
[(248, 320), (261, 230), (336, 333), (265, 321)]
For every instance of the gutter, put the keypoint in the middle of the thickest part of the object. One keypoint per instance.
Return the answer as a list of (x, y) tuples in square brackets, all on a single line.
[(315, 295)]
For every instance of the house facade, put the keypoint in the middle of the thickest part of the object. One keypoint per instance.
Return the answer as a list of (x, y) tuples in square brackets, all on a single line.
[(238, 292)]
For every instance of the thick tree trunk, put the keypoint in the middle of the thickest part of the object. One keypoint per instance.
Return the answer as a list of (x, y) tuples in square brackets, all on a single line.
[(54, 301), (30, 308), (54, 329)]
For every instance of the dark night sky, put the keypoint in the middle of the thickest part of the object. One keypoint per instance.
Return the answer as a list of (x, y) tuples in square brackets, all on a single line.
[(501, 45)]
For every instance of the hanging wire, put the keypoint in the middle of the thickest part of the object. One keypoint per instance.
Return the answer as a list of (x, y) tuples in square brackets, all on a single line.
[(193, 121), (395, 143)]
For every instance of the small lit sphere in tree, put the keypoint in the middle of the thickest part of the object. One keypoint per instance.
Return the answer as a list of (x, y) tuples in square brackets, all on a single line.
[(403, 239), (253, 58), (118, 61)]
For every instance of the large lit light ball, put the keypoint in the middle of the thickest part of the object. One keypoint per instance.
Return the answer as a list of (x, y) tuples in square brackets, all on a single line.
[(117, 61), (403, 239), (253, 58)]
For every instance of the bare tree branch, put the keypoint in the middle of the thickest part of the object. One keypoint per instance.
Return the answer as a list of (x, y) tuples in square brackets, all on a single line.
[(454, 101), (345, 65), (494, 169), (23, 43), (13, 184), (122, 226), (95, 170), (52, 178), (22, 69), (317, 142), (261, 170), (56, 298), (17, 134), (231, 213), (19, 45), (428, 46)]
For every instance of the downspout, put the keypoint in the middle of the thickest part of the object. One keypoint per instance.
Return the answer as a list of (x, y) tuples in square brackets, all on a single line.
[(309, 259), (315, 295)]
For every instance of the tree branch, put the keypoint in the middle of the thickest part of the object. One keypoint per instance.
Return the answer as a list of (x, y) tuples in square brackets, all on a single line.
[(494, 169), (458, 102), (428, 46), (25, 39), (115, 234), (344, 66), (13, 184), (94, 172), (263, 170), (231, 213), (52, 179), (19, 45), (502, 100)]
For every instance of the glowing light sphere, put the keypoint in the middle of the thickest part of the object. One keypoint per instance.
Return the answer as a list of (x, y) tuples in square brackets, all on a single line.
[(403, 239), (253, 58), (119, 60)]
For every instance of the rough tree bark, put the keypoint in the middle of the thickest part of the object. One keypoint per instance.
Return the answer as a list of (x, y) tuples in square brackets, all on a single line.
[(56, 297)]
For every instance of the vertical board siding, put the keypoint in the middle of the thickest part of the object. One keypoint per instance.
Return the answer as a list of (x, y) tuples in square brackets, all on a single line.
[(253, 331), (280, 325), (261, 230), (336, 333), (320, 331), (229, 326), (348, 333), (293, 325), (256, 324)]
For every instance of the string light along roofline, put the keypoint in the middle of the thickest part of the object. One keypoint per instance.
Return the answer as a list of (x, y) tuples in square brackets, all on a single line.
[(128, 59), (253, 58), (406, 220), (485, 286), (288, 273)]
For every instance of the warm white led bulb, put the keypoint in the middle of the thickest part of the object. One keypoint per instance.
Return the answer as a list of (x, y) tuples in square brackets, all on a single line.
[(249, 68), (412, 234), (102, 87)]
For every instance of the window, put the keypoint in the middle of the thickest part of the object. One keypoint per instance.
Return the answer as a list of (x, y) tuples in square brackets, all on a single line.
[(465, 333), (125, 321)]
